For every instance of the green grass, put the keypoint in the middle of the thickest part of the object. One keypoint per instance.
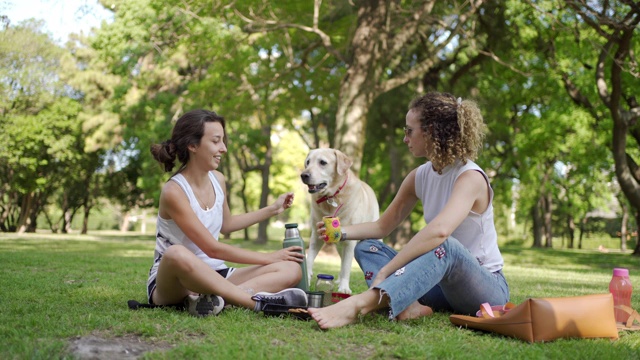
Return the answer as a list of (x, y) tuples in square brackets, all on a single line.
[(55, 288)]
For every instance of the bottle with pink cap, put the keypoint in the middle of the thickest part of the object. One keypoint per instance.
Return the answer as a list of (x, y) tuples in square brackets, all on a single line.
[(621, 289)]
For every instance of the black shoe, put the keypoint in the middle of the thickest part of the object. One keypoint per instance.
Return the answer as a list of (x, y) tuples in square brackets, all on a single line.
[(203, 305), (289, 297)]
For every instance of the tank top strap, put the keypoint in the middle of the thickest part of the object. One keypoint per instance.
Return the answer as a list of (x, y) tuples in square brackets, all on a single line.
[(184, 184)]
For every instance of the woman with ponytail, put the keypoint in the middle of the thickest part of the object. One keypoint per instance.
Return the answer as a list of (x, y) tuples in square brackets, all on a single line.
[(453, 263), (189, 266)]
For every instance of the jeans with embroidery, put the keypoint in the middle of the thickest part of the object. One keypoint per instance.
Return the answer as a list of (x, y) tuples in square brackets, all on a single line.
[(447, 278)]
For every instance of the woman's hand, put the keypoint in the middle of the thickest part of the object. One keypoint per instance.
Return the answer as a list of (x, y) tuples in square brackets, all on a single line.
[(292, 253), (283, 203), (321, 231), (379, 278)]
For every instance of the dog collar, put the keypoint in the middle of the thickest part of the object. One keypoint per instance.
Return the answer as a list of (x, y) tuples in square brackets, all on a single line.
[(325, 198)]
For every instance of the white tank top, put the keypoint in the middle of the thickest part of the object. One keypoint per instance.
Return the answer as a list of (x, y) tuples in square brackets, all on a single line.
[(168, 233), (477, 232)]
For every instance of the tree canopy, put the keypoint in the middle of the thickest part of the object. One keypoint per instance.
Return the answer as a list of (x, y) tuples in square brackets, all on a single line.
[(555, 80)]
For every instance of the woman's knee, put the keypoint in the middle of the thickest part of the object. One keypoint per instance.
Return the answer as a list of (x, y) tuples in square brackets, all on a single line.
[(363, 247), (177, 256), (290, 270), (295, 269)]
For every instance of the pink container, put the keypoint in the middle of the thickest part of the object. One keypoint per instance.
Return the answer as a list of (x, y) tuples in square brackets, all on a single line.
[(621, 289)]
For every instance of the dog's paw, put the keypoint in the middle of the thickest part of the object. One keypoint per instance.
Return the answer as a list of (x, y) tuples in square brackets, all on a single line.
[(344, 289)]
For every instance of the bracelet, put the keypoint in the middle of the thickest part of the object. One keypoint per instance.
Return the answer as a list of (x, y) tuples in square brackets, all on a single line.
[(343, 236)]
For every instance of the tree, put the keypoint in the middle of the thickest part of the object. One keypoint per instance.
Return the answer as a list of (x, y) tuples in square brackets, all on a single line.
[(382, 45), (608, 33), (39, 128), (172, 60)]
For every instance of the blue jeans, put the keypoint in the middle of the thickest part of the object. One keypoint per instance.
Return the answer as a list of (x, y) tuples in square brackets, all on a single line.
[(447, 278)]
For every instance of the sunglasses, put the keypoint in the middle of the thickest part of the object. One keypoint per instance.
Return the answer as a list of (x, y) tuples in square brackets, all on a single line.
[(407, 131)]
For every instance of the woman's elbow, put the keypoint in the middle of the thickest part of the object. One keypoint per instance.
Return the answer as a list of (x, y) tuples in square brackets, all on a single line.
[(441, 232), (213, 251)]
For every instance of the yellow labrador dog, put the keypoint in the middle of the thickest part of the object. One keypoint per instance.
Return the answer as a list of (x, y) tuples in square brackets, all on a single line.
[(336, 190)]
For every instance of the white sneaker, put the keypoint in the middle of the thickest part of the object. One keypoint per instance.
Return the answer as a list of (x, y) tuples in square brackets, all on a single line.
[(203, 305)]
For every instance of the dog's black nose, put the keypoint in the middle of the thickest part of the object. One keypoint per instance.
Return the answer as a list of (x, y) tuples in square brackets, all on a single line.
[(304, 177)]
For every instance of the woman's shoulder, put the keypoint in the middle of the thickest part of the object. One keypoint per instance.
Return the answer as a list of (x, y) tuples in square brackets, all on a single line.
[(219, 177), (425, 165), (171, 192), (470, 164), (421, 168)]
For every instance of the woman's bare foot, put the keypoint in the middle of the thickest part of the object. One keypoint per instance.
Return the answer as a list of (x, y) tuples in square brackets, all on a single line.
[(337, 315), (415, 311), (346, 311)]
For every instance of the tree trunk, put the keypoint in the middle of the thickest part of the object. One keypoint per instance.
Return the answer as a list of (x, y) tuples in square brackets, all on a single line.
[(547, 208), (25, 209), (538, 223), (358, 87), (402, 234), (265, 171), (616, 56), (571, 228), (52, 226), (629, 184), (65, 213), (583, 224), (623, 228), (124, 226), (85, 219), (68, 217), (33, 221), (636, 251)]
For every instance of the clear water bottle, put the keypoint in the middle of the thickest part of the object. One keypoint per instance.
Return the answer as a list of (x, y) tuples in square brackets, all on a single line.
[(324, 283), (292, 238), (621, 289)]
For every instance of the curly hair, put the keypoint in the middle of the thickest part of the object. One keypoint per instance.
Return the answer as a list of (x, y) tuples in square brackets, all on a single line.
[(455, 128), (188, 130)]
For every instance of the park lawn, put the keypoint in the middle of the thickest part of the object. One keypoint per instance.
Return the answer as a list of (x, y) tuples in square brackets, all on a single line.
[(56, 289)]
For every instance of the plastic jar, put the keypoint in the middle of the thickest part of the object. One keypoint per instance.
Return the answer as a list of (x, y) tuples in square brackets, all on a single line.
[(324, 283)]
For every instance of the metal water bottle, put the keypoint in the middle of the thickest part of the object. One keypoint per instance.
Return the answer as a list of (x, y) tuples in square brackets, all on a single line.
[(292, 238)]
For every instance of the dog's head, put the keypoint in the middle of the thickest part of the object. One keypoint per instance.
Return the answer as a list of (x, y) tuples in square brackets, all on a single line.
[(325, 170)]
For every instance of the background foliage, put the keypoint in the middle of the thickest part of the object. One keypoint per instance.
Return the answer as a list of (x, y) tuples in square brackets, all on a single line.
[(556, 82)]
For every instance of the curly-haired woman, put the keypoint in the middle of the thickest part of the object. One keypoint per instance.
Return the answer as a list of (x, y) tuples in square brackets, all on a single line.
[(453, 263)]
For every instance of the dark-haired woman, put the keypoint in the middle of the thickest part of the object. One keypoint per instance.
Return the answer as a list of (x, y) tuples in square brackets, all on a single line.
[(189, 265), (453, 263)]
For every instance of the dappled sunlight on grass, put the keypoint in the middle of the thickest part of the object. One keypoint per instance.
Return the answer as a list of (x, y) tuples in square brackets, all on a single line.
[(526, 282), (133, 253), (568, 259), (95, 292)]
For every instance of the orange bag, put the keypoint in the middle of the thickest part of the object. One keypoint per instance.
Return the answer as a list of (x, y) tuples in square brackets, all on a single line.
[(547, 319)]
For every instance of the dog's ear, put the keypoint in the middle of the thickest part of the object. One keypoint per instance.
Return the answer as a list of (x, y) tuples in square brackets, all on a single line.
[(343, 162)]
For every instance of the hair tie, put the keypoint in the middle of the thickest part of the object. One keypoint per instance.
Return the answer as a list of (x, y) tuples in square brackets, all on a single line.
[(169, 146)]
